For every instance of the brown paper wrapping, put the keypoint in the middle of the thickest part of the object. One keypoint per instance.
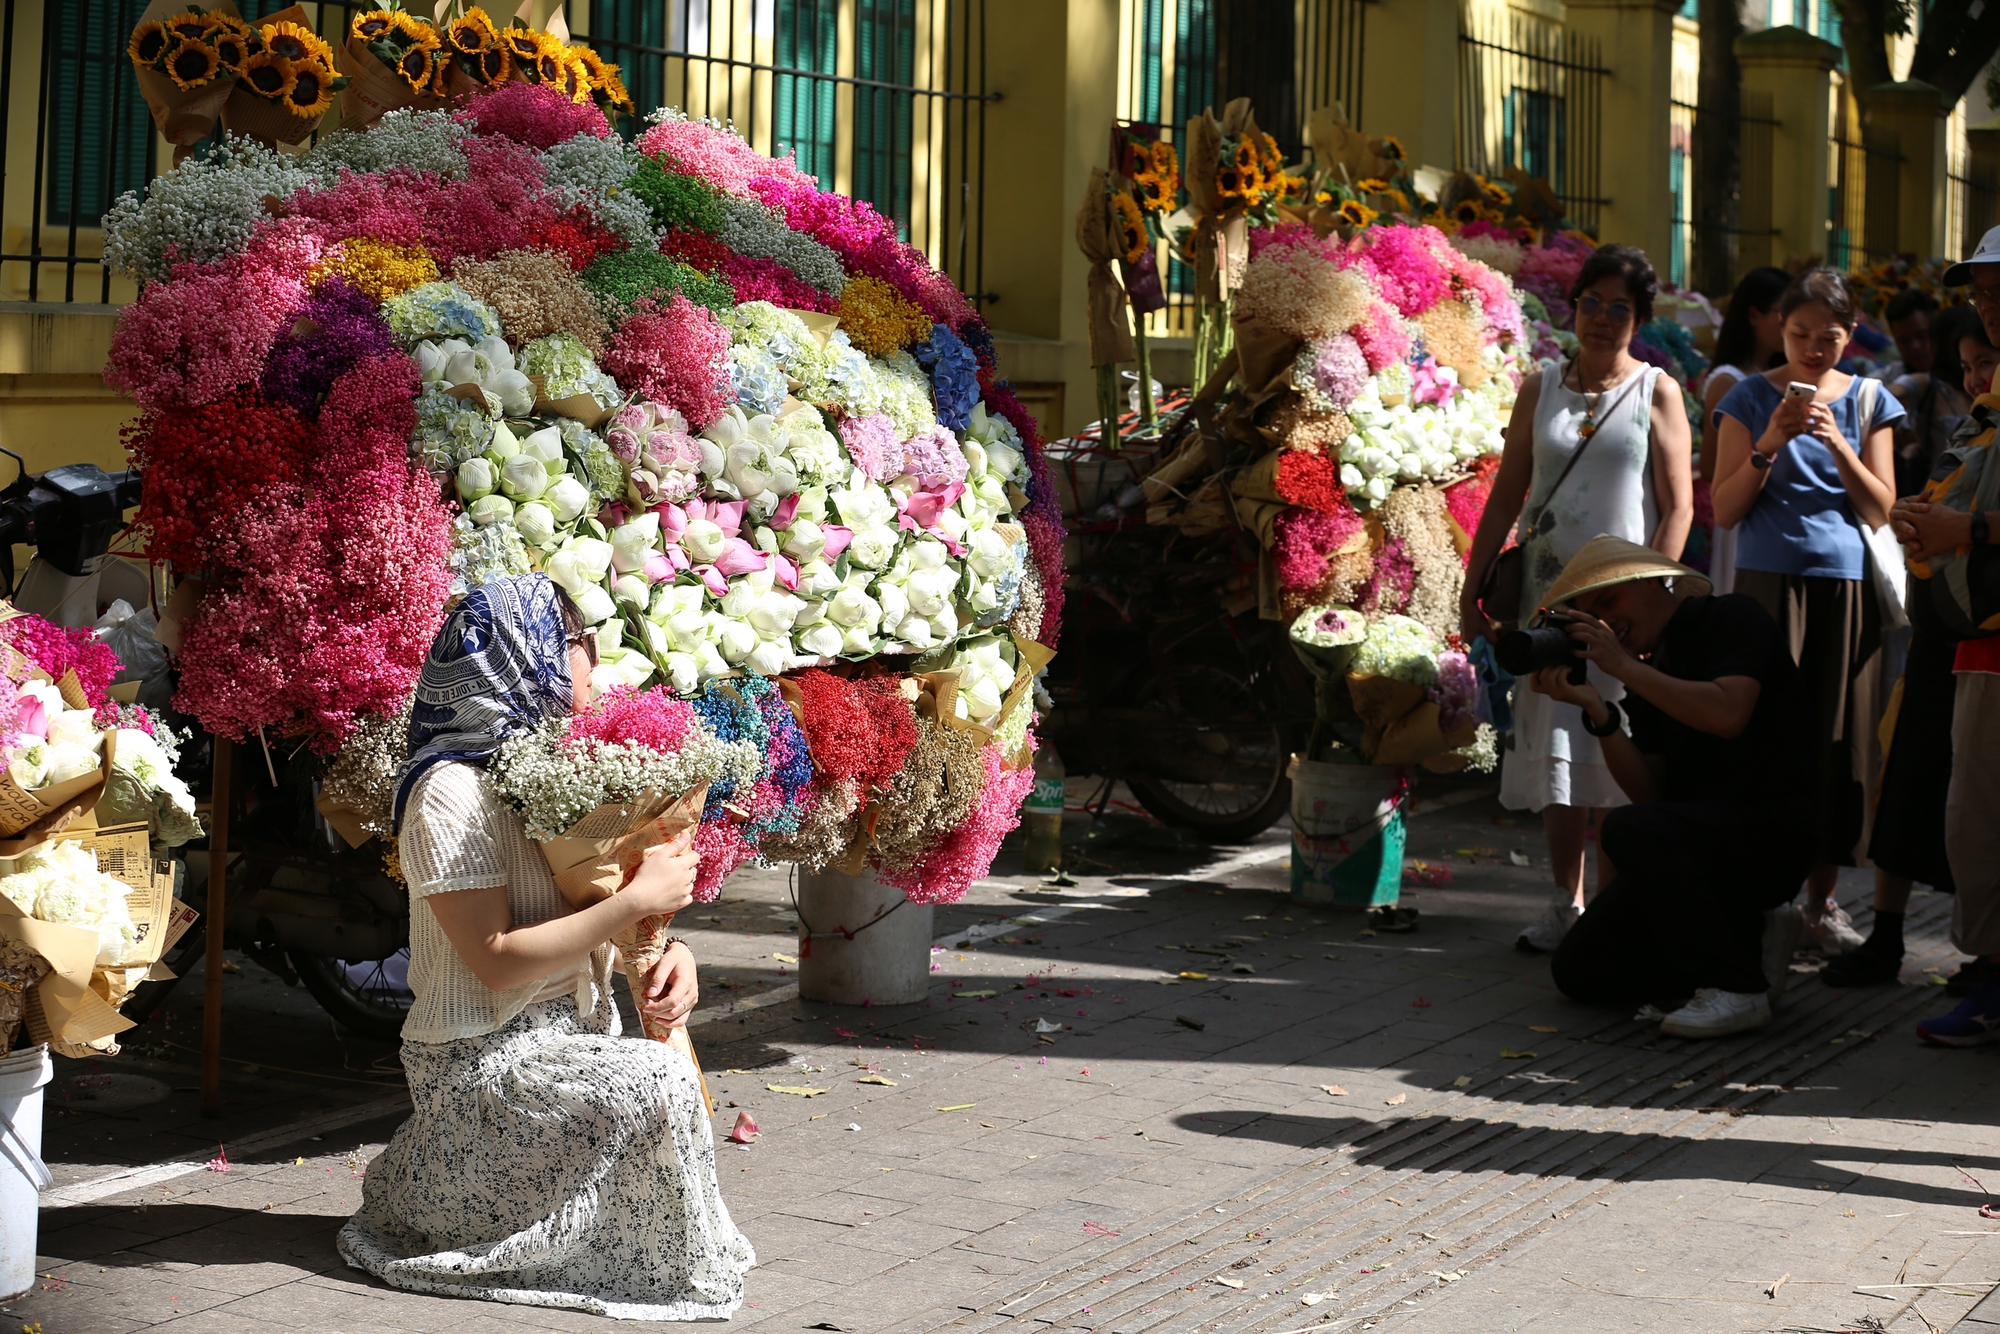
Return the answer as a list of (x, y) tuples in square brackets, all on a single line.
[(373, 89), (22, 810), (185, 118), (1258, 503), (269, 123), (1264, 357), (347, 819), (1105, 320), (1415, 737)]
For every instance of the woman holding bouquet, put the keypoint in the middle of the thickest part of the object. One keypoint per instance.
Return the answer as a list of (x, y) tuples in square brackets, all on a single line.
[(547, 1163)]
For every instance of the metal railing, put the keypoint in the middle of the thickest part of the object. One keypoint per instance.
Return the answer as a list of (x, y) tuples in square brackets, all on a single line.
[(883, 99), (1976, 204), (1531, 95), (1747, 240)]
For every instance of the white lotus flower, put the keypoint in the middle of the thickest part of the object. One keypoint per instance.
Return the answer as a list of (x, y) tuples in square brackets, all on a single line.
[(489, 510), (545, 444), (524, 478), (568, 498), (822, 640), (535, 522)]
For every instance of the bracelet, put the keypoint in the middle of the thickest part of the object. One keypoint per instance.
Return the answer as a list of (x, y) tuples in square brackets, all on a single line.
[(672, 941), (1611, 720)]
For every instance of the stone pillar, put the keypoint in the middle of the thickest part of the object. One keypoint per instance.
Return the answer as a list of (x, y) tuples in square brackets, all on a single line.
[(1793, 69), (1909, 116), (1636, 43), (1418, 39), (1982, 200)]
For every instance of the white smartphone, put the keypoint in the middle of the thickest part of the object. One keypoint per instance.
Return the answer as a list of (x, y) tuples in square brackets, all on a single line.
[(1798, 391)]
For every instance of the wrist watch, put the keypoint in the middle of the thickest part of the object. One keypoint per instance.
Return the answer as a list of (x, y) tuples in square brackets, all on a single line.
[(1759, 459), (1980, 534), (1611, 720)]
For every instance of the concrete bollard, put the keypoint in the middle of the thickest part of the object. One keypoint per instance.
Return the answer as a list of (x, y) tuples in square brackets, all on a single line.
[(888, 963)]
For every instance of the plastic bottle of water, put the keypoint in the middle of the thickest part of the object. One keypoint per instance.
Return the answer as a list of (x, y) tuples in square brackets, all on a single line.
[(1042, 815)]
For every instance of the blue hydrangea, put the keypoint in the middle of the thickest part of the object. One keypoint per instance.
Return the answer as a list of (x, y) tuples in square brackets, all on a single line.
[(439, 310), (954, 374), (756, 381)]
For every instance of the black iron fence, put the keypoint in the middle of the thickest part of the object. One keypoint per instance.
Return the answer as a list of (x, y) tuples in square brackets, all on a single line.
[(1976, 192), (1747, 242), (1531, 96), (881, 99)]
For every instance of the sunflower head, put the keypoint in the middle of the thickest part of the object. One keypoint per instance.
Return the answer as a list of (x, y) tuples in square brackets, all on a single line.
[(524, 44), (496, 64), (418, 66), (414, 29), (440, 75), (312, 91), (372, 24), (1131, 226), (1467, 210), (1152, 192), (268, 76), (472, 33), (1354, 213), (1246, 155), (576, 84), (192, 64), (614, 91), (231, 50), (150, 41), (1495, 195), (192, 26), (1374, 185), (1392, 148), (1228, 180), (296, 42), (549, 66)]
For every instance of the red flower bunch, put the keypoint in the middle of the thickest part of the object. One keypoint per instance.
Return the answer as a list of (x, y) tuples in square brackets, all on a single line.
[(491, 210), (58, 649), (654, 719), (673, 354), (861, 729), (576, 236), (533, 114), (1308, 479), (366, 422), (1465, 501), (372, 205), (697, 250), (204, 464), (756, 279)]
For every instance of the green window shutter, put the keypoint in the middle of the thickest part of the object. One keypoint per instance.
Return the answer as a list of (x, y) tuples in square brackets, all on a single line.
[(100, 140), (885, 52), (808, 39)]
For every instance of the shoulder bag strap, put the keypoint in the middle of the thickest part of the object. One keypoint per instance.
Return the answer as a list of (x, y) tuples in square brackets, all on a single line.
[(1563, 476)]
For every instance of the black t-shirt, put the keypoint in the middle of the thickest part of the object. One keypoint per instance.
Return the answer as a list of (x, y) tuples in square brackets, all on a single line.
[(1768, 763)]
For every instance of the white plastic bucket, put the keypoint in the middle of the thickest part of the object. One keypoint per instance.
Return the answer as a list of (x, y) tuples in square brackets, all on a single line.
[(23, 1175), (861, 942), (1347, 832)]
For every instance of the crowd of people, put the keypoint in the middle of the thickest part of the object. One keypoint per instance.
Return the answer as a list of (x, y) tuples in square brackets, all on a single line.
[(1823, 696)]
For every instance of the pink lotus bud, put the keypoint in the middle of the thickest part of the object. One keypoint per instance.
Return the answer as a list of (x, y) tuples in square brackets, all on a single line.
[(837, 537)]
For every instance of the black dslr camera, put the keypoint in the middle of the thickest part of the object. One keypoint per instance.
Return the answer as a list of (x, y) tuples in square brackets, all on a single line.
[(1546, 643)]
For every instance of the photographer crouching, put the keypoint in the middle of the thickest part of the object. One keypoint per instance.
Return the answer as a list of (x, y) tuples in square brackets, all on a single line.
[(1716, 764)]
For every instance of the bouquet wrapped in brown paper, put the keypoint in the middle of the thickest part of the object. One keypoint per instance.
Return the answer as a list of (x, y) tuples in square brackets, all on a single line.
[(288, 84), (393, 60), (187, 60)]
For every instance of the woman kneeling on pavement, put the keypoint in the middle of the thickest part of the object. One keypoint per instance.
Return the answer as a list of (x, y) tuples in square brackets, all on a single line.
[(547, 1163), (1717, 766)]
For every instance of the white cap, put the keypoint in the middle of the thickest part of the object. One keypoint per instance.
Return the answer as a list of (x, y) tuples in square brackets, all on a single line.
[(1959, 274)]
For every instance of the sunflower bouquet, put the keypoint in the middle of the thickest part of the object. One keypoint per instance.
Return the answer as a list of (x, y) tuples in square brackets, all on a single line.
[(394, 59), (188, 59), (288, 82)]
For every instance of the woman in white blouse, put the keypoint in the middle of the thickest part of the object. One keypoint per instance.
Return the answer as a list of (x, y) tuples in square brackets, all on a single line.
[(548, 1162)]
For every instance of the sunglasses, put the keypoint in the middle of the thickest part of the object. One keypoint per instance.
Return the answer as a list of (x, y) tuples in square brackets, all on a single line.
[(1618, 312), (588, 641)]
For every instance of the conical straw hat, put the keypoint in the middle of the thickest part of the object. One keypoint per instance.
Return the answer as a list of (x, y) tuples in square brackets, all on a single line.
[(1607, 560)]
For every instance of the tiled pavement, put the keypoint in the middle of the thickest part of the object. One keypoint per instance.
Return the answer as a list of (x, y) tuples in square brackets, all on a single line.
[(1171, 1160)]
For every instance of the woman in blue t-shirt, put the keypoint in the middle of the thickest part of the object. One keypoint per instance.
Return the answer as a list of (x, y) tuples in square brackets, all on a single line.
[(1797, 476)]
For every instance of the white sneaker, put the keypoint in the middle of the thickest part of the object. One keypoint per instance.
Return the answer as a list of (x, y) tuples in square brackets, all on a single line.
[(1782, 926), (1831, 931), (1546, 934), (1714, 1013)]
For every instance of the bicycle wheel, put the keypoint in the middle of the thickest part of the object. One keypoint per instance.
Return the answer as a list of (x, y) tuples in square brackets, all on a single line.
[(372, 997), (1221, 768)]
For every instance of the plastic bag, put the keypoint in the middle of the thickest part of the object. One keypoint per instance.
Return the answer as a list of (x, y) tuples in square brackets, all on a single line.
[(130, 635)]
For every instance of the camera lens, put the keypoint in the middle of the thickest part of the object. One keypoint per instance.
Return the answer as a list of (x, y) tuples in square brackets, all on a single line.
[(1525, 652)]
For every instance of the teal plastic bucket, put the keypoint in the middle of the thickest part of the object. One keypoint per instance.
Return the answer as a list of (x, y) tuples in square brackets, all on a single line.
[(1347, 833)]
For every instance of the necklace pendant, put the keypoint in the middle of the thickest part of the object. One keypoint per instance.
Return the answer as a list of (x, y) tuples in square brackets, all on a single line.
[(1586, 430)]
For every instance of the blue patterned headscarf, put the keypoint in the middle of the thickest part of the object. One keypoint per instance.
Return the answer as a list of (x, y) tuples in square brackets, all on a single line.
[(498, 668)]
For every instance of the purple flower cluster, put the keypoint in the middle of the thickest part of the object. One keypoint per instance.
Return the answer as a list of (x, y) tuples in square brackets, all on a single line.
[(338, 326)]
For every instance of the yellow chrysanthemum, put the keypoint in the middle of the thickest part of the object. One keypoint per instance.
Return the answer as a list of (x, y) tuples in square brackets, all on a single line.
[(192, 64), (877, 318), (268, 76), (150, 41), (379, 268)]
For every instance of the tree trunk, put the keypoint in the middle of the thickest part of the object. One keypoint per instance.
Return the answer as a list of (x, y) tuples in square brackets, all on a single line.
[(1717, 168)]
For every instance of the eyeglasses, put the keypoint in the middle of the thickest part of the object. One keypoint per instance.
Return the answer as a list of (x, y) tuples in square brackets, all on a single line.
[(1618, 312), (1984, 296), (588, 642)]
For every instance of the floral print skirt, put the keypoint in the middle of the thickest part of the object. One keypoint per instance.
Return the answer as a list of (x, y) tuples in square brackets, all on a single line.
[(553, 1163)]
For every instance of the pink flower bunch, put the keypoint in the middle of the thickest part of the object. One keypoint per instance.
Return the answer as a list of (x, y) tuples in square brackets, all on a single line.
[(1340, 370), (367, 420), (653, 718), (1306, 539), (1465, 501), (1490, 288), (1387, 590), (934, 452), (673, 354), (58, 649), (372, 205), (1403, 267), (723, 848), (1043, 517), (871, 442), (1383, 338), (710, 153), (1285, 236), (866, 243), (497, 207), (943, 874), (757, 279), (331, 615), (534, 114), (205, 330)]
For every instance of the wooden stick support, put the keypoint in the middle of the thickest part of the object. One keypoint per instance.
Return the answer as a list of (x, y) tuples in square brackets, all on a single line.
[(211, 980)]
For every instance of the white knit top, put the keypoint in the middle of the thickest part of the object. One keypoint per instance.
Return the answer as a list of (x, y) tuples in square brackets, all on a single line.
[(458, 835)]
